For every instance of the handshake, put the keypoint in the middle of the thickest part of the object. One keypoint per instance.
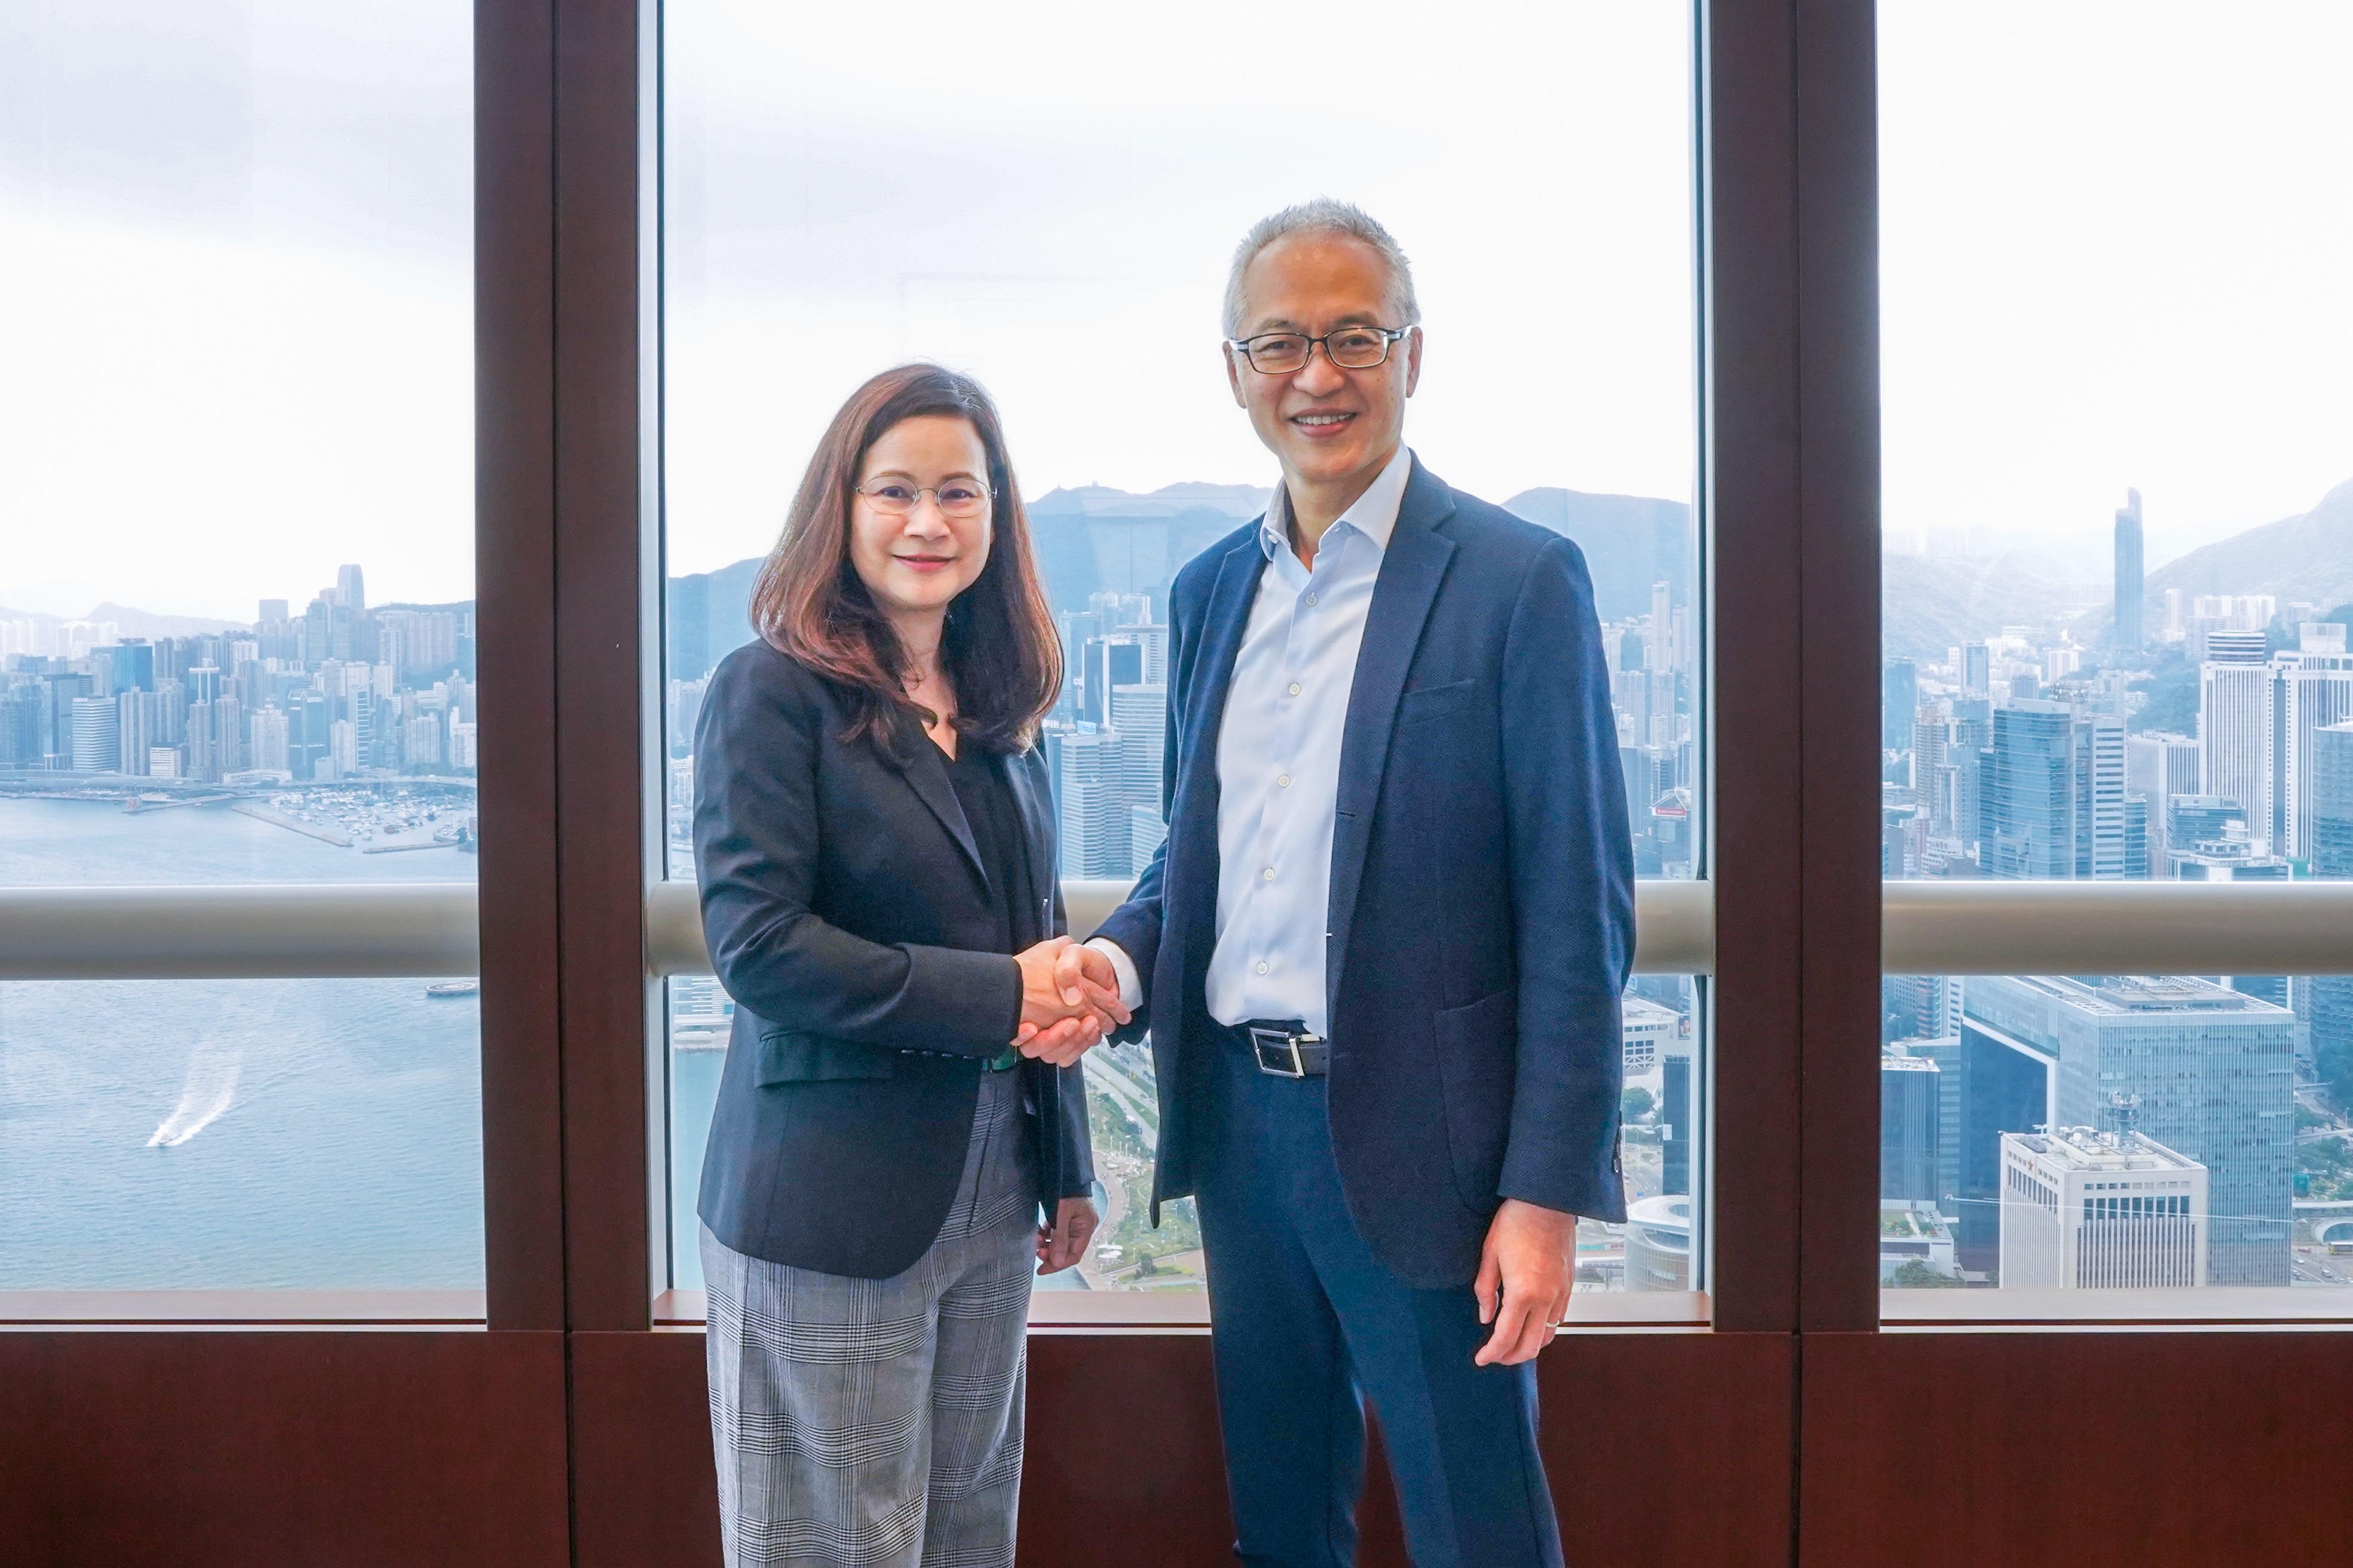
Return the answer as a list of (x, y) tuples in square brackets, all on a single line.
[(1069, 1001)]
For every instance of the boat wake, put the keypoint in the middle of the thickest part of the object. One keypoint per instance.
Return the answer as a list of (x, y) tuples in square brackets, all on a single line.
[(210, 1091)]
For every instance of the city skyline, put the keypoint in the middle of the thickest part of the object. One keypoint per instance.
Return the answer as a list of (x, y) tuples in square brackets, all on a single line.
[(2099, 376)]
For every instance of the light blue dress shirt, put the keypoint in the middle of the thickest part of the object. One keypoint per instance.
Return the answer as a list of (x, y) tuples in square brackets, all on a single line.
[(1278, 762), (1279, 757)]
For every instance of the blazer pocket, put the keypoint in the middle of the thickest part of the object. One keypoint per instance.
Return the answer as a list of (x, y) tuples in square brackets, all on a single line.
[(1437, 702), (789, 1057), (1477, 1050)]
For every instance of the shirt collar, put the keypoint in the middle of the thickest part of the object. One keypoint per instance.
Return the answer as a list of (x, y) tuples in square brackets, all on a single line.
[(1374, 515)]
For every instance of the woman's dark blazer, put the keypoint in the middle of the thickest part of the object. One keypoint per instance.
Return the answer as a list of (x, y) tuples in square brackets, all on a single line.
[(846, 910)]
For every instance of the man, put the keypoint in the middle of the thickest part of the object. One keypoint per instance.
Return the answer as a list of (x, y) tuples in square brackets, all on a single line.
[(1381, 952)]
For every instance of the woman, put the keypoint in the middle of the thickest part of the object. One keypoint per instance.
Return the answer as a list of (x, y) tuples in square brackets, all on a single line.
[(875, 841)]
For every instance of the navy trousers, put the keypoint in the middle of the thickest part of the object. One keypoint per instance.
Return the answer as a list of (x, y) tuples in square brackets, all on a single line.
[(1307, 1323)]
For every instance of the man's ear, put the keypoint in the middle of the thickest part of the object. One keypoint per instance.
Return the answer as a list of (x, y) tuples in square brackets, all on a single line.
[(1234, 374), (1413, 362)]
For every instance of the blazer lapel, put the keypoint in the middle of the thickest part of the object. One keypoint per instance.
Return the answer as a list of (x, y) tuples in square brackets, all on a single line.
[(1221, 640), (1411, 571), (927, 775)]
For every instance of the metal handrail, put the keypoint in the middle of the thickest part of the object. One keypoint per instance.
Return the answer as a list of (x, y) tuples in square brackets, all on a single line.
[(428, 929)]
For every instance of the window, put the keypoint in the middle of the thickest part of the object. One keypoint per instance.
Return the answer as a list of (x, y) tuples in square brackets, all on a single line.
[(238, 639), (2119, 579), (1053, 207)]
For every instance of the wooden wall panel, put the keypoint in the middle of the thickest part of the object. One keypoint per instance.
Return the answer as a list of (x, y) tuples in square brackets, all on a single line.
[(1662, 1449), (2086, 1450), (644, 1488), (343, 1449)]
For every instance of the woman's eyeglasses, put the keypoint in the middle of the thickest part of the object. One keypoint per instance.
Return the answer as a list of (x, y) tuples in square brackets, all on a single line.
[(897, 498)]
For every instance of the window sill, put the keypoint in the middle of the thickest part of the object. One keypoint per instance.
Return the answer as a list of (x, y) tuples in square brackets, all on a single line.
[(242, 1309)]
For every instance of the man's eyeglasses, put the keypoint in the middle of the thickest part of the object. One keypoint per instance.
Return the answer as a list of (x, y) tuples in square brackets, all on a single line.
[(1350, 348), (897, 498)]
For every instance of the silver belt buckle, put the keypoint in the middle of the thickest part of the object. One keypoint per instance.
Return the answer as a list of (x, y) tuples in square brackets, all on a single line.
[(1286, 1045)]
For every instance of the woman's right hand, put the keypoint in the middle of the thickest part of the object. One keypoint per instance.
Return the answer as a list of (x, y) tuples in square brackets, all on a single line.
[(1065, 1007)]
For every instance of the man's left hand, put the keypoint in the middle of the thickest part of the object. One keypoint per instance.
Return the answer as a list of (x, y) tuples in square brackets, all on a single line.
[(1528, 1261)]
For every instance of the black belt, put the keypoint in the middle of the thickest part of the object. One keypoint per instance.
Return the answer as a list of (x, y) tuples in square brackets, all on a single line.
[(1284, 1049)]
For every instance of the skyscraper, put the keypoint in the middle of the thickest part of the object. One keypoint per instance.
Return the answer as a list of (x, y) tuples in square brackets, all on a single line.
[(2332, 855), (134, 715), (2160, 766), (1899, 704), (2131, 629), (1910, 1127), (2236, 729), (2103, 851), (97, 734), (2026, 793), (2315, 690), (1097, 836), (350, 591)]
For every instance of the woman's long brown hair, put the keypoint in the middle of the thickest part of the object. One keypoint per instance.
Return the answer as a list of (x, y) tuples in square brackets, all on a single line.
[(999, 654)]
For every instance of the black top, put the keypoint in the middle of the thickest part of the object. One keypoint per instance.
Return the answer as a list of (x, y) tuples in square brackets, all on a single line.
[(989, 810), (979, 775)]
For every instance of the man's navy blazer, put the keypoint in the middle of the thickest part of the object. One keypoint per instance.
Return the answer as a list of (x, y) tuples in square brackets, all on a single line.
[(1481, 921), (849, 915)]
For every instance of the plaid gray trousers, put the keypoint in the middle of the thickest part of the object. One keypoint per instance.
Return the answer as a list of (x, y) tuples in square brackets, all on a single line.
[(877, 1423)]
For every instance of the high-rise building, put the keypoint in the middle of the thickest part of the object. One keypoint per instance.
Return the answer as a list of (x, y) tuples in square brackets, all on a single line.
[(2161, 765), (1139, 717), (1911, 1105), (2332, 855), (2083, 1209), (133, 662), (97, 733), (2140, 854), (134, 718), (20, 726), (2200, 1068), (2104, 851), (350, 590), (268, 741), (2236, 732), (1097, 833), (1899, 703), (2131, 629), (1977, 669), (2026, 800), (2315, 690)]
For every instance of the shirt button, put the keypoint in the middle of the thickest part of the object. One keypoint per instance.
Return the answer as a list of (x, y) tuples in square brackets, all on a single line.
[(1267, 875), (1282, 780), (1294, 688), (1311, 598), (1262, 966)]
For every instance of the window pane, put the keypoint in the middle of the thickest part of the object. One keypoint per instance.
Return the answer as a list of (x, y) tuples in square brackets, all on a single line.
[(2119, 575), (1053, 207), (238, 640)]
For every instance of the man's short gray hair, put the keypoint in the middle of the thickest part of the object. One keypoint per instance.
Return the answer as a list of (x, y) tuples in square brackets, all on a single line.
[(1322, 216)]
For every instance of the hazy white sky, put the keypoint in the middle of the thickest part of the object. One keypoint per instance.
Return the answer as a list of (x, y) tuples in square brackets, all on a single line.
[(239, 325)]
